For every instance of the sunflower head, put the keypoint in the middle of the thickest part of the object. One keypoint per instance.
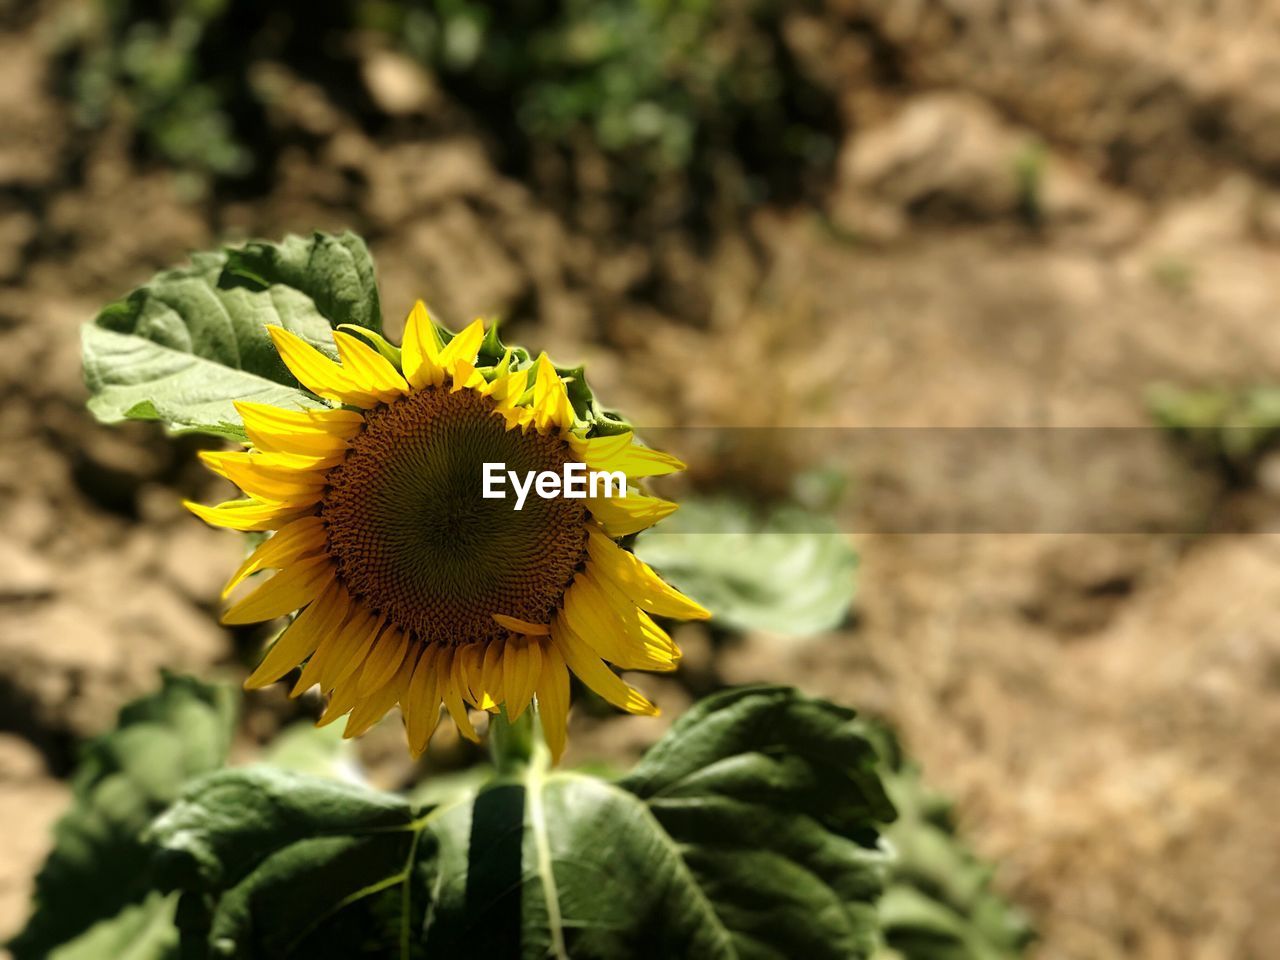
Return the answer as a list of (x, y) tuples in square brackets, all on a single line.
[(408, 585)]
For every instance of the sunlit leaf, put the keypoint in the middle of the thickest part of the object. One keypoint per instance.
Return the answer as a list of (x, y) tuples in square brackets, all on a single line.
[(182, 347)]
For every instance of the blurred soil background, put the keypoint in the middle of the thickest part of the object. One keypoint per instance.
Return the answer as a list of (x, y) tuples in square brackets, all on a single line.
[(838, 213)]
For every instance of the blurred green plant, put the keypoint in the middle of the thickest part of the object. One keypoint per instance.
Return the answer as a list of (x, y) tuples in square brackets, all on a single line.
[(1029, 168), (95, 890), (145, 60), (660, 86), (1233, 427), (939, 903), (704, 95), (788, 571), (1175, 274)]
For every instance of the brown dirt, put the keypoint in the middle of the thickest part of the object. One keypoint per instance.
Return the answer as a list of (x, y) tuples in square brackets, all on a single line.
[(1103, 707)]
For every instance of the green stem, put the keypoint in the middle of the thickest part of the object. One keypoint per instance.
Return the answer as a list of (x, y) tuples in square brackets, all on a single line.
[(511, 743)]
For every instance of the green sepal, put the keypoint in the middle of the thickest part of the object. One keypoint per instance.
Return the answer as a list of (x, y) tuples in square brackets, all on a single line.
[(600, 422), (492, 351)]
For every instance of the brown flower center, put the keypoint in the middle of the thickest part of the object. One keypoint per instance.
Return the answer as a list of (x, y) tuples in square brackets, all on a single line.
[(413, 537)]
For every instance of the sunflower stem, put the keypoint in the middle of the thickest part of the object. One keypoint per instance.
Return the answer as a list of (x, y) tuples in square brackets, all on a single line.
[(511, 742)]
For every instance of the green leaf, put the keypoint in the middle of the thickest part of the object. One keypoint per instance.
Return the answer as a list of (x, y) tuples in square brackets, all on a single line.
[(320, 751), (185, 345), (125, 777), (788, 573), (939, 904), (334, 272), (748, 831)]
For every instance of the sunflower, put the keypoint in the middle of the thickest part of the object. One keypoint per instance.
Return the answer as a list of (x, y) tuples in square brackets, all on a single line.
[(409, 587)]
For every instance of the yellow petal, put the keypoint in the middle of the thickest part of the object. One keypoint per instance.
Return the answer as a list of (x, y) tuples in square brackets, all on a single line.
[(516, 417), (370, 369), (290, 589), (351, 647), (508, 389), (451, 687), (621, 634), (621, 516), (589, 620), (341, 701), (422, 701), (263, 481), (464, 346), (302, 637), (369, 710), (317, 372), (551, 406), (553, 700), (336, 648), (383, 661), (276, 422), (521, 666), (491, 676), (516, 625), (468, 666), (618, 452), (635, 578), (420, 351), (320, 436), (247, 515), (592, 671), (279, 460), (317, 461), (465, 376), (291, 542)]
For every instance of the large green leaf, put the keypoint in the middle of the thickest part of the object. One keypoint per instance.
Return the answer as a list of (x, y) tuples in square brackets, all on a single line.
[(786, 572), (750, 830), (182, 347), (125, 777)]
